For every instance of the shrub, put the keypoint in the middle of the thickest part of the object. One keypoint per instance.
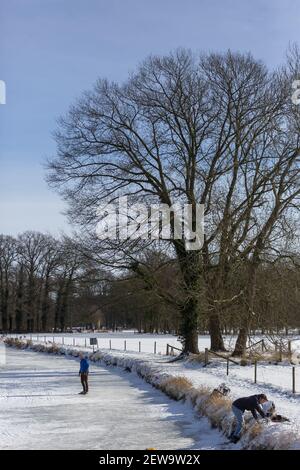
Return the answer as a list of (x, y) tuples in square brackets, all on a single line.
[(176, 387)]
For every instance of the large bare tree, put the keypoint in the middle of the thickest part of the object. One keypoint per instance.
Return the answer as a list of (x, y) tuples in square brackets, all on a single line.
[(188, 130)]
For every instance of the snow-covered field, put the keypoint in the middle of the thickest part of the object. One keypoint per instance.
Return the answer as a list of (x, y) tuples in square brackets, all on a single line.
[(136, 341), (40, 409)]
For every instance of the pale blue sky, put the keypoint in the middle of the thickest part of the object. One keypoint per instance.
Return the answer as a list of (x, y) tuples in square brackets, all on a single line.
[(51, 50)]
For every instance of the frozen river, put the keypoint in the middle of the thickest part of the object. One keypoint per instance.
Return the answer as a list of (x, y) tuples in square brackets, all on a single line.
[(40, 409)]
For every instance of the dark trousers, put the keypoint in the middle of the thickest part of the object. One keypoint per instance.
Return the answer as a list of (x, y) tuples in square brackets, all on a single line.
[(84, 381)]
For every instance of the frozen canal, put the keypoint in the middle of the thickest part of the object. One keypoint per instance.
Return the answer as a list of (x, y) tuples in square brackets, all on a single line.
[(40, 409)]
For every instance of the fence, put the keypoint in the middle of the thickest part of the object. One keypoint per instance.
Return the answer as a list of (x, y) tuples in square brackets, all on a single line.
[(255, 367), (80, 342), (170, 350), (105, 343), (261, 342)]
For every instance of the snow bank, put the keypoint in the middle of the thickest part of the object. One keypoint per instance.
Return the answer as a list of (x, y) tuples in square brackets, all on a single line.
[(217, 409)]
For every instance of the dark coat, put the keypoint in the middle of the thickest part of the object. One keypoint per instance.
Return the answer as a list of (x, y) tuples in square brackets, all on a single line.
[(251, 404)]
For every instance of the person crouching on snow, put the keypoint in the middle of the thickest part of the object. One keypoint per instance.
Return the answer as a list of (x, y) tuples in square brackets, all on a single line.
[(239, 406), (84, 373)]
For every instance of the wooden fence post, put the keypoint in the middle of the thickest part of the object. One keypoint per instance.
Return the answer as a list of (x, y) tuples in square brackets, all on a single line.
[(206, 356), (139, 346), (110, 344), (227, 368), (294, 379), (255, 372), (154, 347), (125, 345), (167, 350), (280, 353)]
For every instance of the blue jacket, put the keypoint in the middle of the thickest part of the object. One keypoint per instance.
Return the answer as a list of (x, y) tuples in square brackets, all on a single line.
[(84, 366), (251, 404)]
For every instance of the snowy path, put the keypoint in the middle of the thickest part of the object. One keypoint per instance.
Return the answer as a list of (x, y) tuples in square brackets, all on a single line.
[(40, 409)]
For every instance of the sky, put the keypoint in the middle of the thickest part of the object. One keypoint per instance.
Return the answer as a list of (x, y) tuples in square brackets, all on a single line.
[(53, 50)]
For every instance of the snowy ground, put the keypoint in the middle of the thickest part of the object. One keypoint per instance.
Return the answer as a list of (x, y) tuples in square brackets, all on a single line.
[(241, 384), (274, 380), (134, 341), (40, 409), (273, 377)]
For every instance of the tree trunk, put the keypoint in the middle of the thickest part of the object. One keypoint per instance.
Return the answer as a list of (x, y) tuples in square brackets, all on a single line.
[(5, 297), (65, 306), (191, 342), (45, 305), (216, 340), (190, 265), (62, 318), (5, 310), (45, 318), (30, 303), (57, 309), (241, 342), (189, 326), (19, 301)]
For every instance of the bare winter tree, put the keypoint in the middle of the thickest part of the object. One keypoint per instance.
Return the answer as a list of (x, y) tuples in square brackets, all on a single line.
[(70, 267), (31, 249), (49, 265), (186, 130), (262, 186)]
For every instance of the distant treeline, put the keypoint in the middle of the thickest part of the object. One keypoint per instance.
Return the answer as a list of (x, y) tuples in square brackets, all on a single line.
[(48, 284)]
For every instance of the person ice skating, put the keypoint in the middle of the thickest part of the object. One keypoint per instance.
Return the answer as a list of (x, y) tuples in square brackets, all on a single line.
[(239, 406), (84, 373)]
